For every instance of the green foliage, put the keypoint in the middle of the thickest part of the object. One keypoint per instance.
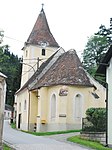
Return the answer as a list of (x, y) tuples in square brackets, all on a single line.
[(97, 118), (11, 67), (96, 48), (13, 125), (5, 147), (88, 143), (94, 52), (103, 31)]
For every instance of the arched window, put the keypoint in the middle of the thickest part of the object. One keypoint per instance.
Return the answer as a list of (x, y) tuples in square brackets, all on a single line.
[(78, 107), (25, 105), (53, 106)]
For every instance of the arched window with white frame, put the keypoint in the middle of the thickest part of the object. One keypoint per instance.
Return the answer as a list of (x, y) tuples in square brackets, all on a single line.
[(53, 107), (78, 107)]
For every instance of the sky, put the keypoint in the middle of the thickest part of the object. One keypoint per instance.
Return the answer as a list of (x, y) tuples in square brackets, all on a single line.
[(71, 21)]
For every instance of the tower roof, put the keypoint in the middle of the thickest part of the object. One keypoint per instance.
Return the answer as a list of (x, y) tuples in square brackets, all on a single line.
[(41, 32)]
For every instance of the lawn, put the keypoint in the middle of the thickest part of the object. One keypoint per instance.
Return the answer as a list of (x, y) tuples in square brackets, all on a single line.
[(13, 125), (51, 133), (5, 147), (87, 143)]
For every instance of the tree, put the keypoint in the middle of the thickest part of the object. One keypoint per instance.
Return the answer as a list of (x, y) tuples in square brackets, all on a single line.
[(96, 48), (11, 67), (104, 32), (94, 52)]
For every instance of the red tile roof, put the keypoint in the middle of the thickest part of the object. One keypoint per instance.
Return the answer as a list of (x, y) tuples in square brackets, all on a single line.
[(67, 70), (41, 32)]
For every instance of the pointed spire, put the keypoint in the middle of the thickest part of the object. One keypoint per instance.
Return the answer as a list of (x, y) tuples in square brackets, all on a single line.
[(42, 7), (41, 32)]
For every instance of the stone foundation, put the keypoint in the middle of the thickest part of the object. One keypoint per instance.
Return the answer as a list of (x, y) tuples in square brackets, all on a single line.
[(95, 136)]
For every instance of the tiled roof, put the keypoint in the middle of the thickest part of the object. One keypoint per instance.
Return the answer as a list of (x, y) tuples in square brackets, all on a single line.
[(67, 70), (41, 32)]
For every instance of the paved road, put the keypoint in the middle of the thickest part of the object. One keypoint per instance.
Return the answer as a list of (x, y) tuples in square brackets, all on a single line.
[(24, 141)]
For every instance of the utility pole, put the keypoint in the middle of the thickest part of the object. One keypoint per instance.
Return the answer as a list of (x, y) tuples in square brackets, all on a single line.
[(38, 60)]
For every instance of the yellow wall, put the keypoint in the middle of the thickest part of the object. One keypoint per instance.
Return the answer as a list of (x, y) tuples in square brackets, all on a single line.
[(28, 116), (65, 104), (33, 107), (20, 98)]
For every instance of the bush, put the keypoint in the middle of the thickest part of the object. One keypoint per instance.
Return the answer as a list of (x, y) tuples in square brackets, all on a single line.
[(97, 119)]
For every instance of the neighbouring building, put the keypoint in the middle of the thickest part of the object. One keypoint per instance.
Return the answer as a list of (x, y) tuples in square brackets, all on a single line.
[(8, 112), (55, 95), (105, 68), (2, 104)]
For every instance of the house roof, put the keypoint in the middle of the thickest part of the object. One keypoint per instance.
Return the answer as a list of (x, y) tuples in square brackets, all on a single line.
[(62, 68), (8, 107), (41, 32), (67, 70), (105, 62)]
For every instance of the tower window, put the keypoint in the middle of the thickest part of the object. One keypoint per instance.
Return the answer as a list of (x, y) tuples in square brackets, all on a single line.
[(43, 52)]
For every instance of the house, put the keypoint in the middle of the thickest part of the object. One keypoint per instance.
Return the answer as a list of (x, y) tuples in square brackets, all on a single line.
[(8, 112), (105, 68), (55, 95), (2, 103)]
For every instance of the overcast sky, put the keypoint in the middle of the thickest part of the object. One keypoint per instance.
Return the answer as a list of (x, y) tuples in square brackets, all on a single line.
[(71, 21)]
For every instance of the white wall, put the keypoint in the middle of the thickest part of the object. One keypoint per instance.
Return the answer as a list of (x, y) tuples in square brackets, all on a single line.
[(109, 81)]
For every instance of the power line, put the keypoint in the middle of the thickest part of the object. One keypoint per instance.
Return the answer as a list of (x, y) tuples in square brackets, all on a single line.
[(21, 41), (29, 69), (13, 39)]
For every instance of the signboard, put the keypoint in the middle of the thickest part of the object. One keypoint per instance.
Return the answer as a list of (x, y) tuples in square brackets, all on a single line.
[(63, 91)]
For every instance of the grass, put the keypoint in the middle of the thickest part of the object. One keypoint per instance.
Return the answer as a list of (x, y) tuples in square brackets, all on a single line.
[(88, 143), (13, 125), (51, 133), (5, 147)]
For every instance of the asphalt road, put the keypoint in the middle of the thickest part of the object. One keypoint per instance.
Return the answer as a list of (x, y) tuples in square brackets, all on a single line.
[(23, 141)]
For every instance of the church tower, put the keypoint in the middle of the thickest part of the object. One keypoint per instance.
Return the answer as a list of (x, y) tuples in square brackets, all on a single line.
[(39, 47)]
